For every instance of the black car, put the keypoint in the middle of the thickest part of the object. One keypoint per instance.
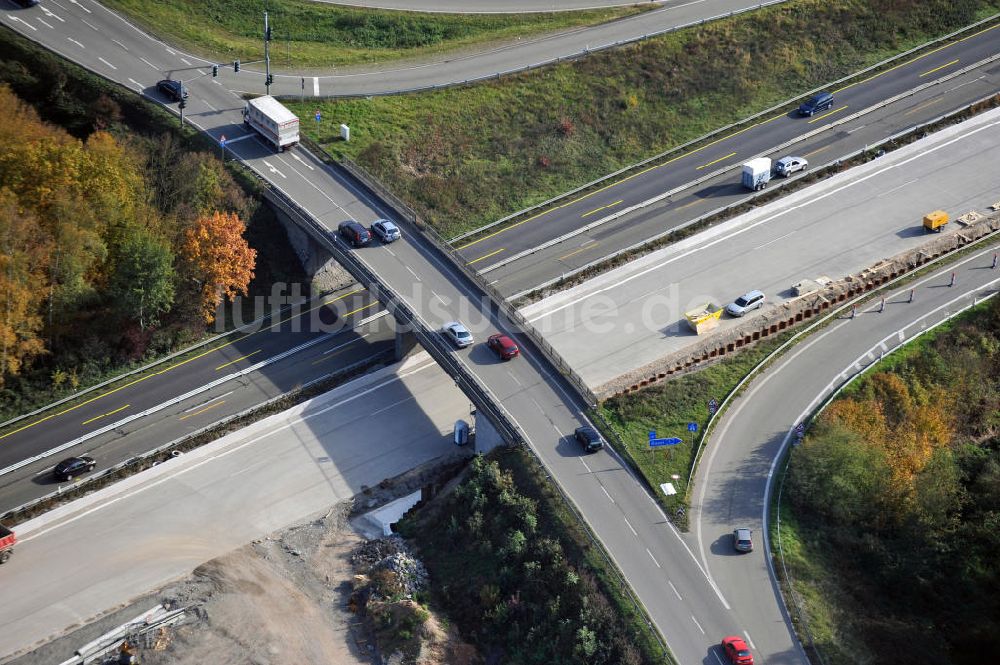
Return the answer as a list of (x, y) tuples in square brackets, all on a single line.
[(74, 466), (589, 438), (26, 3), (175, 90), (354, 233)]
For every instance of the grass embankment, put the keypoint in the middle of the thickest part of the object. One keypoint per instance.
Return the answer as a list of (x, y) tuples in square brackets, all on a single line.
[(466, 156), (667, 408), (514, 569), (319, 35), (890, 506)]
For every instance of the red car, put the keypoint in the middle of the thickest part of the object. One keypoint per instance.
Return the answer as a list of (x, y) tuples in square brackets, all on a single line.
[(504, 346), (737, 650)]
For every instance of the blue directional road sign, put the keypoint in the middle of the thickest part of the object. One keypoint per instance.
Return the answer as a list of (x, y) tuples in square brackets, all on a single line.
[(319, 116), (654, 442), (692, 427)]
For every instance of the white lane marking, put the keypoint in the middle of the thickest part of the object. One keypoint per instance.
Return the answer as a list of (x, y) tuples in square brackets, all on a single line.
[(790, 210), (584, 463), (169, 51), (411, 272), (51, 15), (76, 42), (316, 86), (120, 44), (136, 84), (653, 558), (514, 378), (186, 61), (346, 344), (47, 25), (674, 589), (81, 6), (296, 157), (211, 401), (149, 63), (89, 25), (851, 131), (17, 19), (771, 242), (749, 641), (272, 169), (629, 525), (559, 435), (606, 494), (975, 80), (391, 253), (440, 299), (225, 453), (698, 624), (393, 405), (106, 62), (898, 187)]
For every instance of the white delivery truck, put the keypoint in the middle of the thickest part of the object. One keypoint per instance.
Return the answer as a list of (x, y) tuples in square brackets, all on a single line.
[(756, 173), (278, 125)]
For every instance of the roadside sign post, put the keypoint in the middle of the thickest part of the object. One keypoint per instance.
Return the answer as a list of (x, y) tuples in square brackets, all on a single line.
[(222, 142), (319, 116), (692, 427)]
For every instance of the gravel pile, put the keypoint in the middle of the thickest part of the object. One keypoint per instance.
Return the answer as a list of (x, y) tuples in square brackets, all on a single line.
[(393, 555)]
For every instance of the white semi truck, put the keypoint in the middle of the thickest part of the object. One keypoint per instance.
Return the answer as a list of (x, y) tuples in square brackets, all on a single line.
[(278, 125)]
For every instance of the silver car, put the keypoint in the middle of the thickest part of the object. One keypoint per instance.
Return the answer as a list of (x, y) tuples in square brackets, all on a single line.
[(746, 303), (459, 334), (743, 540), (786, 166), (385, 230)]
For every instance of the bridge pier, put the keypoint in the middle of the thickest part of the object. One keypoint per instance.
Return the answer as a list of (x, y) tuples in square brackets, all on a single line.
[(486, 437)]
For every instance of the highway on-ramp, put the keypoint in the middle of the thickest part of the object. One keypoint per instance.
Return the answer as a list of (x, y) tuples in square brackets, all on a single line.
[(740, 460)]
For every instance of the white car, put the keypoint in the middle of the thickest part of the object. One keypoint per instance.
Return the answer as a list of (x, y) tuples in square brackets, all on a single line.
[(385, 230), (745, 303), (786, 166), (459, 334)]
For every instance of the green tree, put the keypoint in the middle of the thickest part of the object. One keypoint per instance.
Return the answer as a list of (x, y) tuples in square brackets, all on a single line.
[(142, 286)]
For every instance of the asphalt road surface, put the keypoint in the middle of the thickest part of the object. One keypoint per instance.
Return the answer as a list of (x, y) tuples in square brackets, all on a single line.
[(73, 28), (740, 458), (633, 315), (486, 6), (829, 135), (137, 535)]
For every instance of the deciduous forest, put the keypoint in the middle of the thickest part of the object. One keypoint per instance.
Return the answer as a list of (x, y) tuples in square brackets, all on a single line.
[(897, 489), (112, 246)]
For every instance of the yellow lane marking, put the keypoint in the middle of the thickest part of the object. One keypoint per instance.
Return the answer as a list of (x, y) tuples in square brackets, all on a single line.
[(688, 204), (109, 413), (577, 251), (231, 362), (924, 105), (175, 365), (816, 151), (623, 180), (919, 57), (827, 115), (207, 408), (361, 309), (715, 161), (328, 356), (485, 256), (610, 205), (931, 71)]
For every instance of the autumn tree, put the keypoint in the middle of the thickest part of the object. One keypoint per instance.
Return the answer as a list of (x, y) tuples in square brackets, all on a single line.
[(142, 285), (22, 248), (218, 258)]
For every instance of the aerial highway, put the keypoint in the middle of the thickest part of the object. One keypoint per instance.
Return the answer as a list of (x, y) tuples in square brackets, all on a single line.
[(64, 27), (739, 469), (535, 396), (630, 316), (665, 572), (510, 253)]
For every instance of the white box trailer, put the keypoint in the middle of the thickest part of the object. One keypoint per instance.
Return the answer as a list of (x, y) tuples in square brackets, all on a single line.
[(756, 173), (278, 125)]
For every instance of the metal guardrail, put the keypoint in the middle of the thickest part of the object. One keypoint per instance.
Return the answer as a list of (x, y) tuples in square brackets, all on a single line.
[(717, 132), (180, 441), (744, 201), (442, 246), (406, 319)]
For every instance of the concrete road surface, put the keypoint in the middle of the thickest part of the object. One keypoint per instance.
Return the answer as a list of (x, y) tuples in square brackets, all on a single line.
[(633, 315), (105, 549)]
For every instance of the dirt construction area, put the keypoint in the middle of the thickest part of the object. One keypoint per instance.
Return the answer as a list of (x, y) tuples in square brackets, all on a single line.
[(291, 597)]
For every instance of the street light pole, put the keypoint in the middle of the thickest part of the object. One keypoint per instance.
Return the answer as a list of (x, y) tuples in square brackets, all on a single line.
[(267, 54)]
